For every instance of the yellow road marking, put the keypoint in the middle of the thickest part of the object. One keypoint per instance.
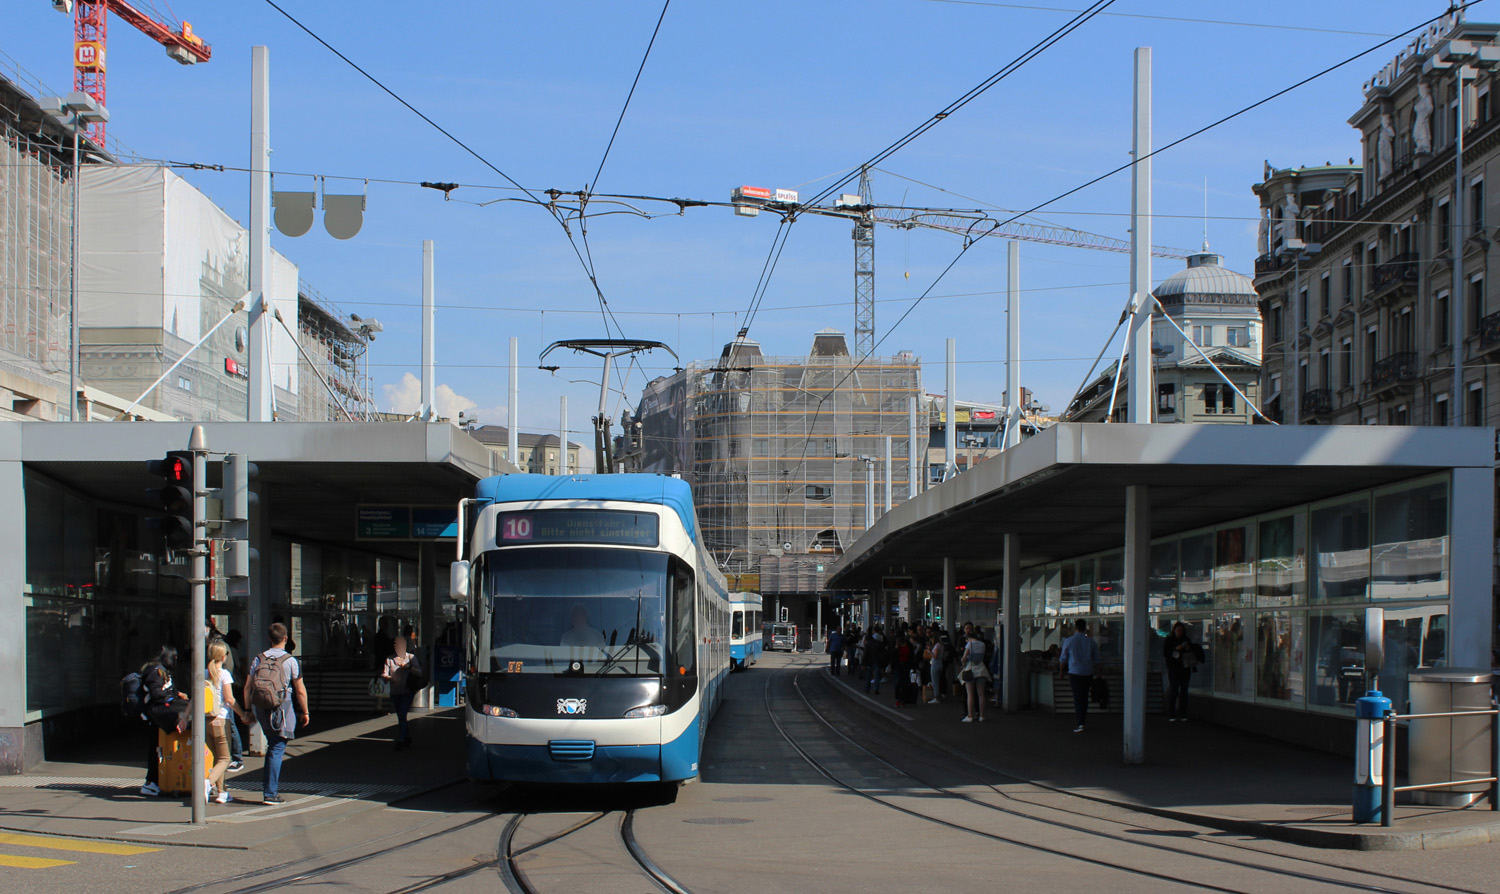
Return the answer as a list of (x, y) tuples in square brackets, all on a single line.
[(32, 862), (74, 844)]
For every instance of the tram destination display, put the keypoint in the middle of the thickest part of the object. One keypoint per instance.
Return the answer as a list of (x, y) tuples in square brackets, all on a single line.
[(577, 526)]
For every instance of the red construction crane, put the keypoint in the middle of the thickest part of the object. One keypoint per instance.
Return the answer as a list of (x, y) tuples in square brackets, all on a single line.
[(90, 26)]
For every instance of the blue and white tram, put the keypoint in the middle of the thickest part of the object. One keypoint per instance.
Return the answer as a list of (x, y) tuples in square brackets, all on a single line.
[(598, 629), (744, 629)]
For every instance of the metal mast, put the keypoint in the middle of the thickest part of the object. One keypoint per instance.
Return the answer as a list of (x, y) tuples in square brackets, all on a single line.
[(864, 272)]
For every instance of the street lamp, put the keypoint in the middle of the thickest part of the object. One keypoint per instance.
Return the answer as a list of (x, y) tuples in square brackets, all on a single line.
[(76, 111), (1465, 58)]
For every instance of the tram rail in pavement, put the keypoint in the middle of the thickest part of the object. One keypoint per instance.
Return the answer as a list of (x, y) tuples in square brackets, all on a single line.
[(1198, 773)]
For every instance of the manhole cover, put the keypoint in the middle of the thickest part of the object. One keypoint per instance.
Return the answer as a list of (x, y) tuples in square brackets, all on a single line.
[(743, 799), (1316, 811), (717, 820)]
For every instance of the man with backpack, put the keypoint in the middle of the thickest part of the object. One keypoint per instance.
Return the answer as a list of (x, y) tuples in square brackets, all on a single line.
[(273, 688)]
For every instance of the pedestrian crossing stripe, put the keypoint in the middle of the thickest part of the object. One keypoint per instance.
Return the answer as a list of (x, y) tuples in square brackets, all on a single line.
[(80, 845), (49, 842), (32, 862)]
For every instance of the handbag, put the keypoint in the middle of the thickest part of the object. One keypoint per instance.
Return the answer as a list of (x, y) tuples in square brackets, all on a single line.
[(380, 687), (416, 677)]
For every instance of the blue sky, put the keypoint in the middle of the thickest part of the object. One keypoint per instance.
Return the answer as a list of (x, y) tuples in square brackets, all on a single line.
[(777, 94)]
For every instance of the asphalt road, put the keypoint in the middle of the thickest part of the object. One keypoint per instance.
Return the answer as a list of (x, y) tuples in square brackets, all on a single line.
[(802, 790)]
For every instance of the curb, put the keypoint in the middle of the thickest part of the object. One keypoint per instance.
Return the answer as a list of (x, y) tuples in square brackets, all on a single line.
[(1306, 836)]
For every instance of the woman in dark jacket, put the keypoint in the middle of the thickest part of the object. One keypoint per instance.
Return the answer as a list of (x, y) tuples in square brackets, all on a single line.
[(164, 705), (1181, 657)]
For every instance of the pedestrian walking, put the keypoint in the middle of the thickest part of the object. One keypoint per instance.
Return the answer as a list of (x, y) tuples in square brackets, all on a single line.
[(275, 692), (874, 659), (974, 675), (218, 719), (835, 650), (1079, 655), (402, 670), (1182, 656)]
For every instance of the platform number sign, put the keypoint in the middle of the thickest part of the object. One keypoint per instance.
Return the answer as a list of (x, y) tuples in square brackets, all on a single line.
[(516, 527)]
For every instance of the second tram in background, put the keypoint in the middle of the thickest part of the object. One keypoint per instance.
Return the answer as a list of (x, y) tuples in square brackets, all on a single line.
[(745, 637), (598, 629)]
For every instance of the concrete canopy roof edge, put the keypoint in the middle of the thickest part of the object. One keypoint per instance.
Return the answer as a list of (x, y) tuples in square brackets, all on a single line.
[(1063, 490)]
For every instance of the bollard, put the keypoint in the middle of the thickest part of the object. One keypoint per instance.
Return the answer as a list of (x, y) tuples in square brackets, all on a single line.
[(1495, 761), (1369, 756)]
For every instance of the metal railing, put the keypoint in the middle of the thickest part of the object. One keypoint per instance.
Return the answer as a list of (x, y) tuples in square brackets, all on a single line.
[(1317, 402), (1400, 269), (1388, 786), (1489, 330), (1398, 367)]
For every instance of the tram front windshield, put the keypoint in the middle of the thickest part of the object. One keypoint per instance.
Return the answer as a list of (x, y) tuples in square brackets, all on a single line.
[(576, 610)]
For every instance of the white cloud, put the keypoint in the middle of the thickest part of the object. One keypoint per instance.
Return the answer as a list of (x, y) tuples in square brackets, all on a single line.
[(406, 397)]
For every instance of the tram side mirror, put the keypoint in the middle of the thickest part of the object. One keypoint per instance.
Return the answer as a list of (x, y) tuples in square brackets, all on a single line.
[(458, 580)]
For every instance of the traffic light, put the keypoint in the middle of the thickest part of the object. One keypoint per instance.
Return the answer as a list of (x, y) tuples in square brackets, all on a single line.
[(176, 497), (238, 498)]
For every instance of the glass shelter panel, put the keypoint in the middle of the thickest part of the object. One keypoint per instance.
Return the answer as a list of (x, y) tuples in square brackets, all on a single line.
[(1162, 595), (1341, 550), (1233, 655), (1109, 589), (1234, 569), (1281, 569), (1196, 585), (1336, 645), (1410, 555)]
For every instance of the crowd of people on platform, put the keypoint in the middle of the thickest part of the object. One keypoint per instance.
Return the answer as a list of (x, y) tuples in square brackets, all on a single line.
[(925, 664)]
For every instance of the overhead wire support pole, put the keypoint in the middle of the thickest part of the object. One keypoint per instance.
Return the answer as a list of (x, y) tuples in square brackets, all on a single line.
[(1013, 399), (1140, 399)]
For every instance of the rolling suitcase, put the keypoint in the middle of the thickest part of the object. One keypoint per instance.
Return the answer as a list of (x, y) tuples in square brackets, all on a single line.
[(174, 769)]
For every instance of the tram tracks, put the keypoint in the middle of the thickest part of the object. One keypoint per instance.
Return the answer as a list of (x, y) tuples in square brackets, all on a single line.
[(614, 875), (917, 784)]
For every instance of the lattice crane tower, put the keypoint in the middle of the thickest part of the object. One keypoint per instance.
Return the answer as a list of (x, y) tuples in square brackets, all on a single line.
[(864, 272), (90, 30)]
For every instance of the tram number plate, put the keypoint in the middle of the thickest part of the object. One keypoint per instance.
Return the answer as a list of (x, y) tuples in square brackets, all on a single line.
[(516, 527)]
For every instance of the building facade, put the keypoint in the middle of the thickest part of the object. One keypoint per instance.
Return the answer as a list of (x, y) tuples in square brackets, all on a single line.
[(1356, 274), (538, 454), (1206, 352), (979, 432), (786, 455)]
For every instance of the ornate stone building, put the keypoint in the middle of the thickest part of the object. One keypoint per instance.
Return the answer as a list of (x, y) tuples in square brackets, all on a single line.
[(1356, 274), (1216, 308)]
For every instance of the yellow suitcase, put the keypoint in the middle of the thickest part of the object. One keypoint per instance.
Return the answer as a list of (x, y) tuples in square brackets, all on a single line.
[(175, 762)]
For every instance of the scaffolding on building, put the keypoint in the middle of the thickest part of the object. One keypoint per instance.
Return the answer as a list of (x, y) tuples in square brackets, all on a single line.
[(777, 450), (331, 338), (36, 231)]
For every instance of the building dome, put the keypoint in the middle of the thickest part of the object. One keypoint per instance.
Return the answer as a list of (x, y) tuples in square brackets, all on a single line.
[(1205, 281)]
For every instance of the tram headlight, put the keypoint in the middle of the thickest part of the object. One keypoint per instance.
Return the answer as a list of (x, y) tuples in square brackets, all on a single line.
[(646, 711), (497, 711)]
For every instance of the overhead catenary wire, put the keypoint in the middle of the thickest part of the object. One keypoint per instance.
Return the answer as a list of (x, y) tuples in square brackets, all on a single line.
[(981, 234), (1163, 18), (932, 121)]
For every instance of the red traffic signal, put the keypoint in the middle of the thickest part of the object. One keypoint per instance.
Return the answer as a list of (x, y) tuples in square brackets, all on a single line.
[(176, 468)]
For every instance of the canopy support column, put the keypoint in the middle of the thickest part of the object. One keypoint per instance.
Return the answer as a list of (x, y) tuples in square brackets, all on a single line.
[(1137, 578)]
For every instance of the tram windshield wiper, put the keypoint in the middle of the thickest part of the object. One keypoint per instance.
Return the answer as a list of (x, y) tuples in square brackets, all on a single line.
[(617, 657)]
